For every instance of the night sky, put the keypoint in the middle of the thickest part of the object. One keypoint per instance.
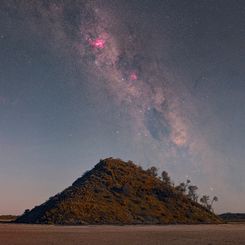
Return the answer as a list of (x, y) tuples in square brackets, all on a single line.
[(158, 82)]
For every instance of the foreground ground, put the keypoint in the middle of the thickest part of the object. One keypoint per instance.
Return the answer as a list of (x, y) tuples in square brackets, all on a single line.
[(17, 234)]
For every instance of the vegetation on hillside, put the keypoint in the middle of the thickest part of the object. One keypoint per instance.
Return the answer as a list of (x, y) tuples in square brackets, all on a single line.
[(191, 192), (117, 192)]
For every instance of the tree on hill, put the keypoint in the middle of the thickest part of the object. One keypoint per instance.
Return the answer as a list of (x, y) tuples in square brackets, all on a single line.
[(152, 171), (192, 192), (182, 187), (215, 199), (165, 178), (205, 200), (26, 211), (188, 189)]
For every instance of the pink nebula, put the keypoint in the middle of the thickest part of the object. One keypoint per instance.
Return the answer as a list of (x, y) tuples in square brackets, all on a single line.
[(133, 76), (98, 43)]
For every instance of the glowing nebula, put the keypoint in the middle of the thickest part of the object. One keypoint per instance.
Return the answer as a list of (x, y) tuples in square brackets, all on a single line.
[(98, 43), (133, 76)]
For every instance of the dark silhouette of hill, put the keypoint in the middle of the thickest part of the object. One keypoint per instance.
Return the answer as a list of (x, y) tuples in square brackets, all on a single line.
[(117, 192), (7, 218), (233, 217)]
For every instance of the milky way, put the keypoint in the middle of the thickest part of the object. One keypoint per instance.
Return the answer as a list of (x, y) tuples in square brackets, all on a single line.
[(167, 74), (111, 48), (132, 78)]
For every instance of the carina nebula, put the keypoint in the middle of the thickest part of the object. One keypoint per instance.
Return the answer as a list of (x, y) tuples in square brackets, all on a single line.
[(157, 82)]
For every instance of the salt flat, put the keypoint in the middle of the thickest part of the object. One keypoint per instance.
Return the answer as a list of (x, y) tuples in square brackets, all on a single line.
[(18, 234)]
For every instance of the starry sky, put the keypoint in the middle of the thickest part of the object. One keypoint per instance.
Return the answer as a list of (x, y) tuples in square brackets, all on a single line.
[(158, 82)]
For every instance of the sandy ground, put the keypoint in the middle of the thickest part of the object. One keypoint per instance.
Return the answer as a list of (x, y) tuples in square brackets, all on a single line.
[(13, 234)]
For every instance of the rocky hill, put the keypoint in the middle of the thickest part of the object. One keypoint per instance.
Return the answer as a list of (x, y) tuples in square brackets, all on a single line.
[(117, 192)]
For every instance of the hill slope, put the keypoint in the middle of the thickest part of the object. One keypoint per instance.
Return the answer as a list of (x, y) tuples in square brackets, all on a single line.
[(116, 192)]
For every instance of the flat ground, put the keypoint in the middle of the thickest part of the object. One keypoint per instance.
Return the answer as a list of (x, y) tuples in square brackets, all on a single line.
[(17, 234)]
